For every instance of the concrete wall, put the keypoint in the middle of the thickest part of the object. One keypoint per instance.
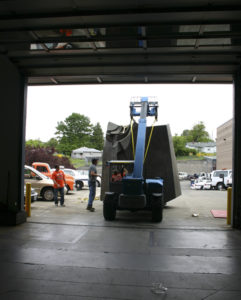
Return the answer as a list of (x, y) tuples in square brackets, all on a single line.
[(195, 166), (224, 145)]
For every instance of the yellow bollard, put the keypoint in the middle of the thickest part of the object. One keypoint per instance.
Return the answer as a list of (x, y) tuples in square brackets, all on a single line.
[(229, 205), (28, 200)]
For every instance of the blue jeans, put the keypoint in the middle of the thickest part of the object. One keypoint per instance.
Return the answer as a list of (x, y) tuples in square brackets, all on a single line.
[(92, 187), (61, 191)]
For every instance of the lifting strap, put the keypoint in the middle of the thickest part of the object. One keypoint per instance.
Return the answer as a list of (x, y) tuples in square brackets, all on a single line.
[(149, 140), (132, 139)]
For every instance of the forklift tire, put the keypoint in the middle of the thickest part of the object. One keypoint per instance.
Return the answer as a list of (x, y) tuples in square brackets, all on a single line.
[(109, 208), (157, 210)]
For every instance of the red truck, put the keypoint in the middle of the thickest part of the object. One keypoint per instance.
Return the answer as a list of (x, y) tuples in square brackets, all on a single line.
[(46, 170)]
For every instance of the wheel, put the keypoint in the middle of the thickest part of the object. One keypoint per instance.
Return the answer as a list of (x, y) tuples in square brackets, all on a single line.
[(220, 186), (109, 208), (79, 185), (98, 183), (157, 209), (201, 187), (48, 194)]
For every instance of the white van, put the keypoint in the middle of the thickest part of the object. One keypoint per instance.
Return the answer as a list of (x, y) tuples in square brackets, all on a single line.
[(219, 179)]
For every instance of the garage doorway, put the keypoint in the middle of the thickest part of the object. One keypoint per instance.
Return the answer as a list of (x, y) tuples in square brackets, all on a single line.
[(180, 106)]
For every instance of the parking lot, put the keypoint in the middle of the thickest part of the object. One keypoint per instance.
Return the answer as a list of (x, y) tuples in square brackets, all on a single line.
[(178, 213)]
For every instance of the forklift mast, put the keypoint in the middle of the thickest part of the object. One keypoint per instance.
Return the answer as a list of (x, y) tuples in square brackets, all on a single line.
[(146, 109)]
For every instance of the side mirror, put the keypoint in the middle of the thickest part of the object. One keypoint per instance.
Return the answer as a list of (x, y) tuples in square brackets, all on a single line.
[(221, 176)]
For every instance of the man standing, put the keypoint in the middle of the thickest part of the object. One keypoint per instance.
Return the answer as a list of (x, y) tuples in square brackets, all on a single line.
[(92, 184), (59, 183)]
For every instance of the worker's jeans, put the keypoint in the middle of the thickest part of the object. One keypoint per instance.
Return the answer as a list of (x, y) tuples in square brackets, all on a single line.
[(61, 191), (92, 187)]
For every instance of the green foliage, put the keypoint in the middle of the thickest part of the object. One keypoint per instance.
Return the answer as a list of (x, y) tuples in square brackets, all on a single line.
[(179, 143), (197, 134), (186, 132), (77, 163), (52, 143), (190, 157), (97, 139), (46, 155), (74, 132), (35, 143)]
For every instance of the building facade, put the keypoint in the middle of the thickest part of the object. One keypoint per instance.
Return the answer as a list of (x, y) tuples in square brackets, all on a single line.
[(209, 147), (86, 153), (224, 145)]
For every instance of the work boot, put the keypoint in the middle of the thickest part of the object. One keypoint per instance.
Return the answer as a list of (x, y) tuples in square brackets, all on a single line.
[(90, 208)]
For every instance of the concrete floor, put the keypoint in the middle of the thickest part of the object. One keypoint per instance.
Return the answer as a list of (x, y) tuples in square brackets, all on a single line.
[(70, 253)]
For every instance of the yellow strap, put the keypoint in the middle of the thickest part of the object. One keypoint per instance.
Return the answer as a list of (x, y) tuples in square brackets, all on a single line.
[(148, 144), (132, 139)]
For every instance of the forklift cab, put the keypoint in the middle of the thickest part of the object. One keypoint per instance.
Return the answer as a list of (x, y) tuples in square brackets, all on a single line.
[(118, 169), (124, 191)]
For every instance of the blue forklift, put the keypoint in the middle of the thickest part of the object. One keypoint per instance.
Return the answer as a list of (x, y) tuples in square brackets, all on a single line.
[(128, 189)]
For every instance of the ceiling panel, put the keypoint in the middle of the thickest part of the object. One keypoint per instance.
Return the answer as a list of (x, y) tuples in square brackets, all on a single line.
[(105, 42)]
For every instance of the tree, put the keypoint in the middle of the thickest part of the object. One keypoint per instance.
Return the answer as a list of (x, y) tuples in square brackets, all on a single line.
[(74, 132), (196, 134), (179, 143), (47, 155), (185, 132), (34, 143), (52, 143), (97, 139), (199, 134)]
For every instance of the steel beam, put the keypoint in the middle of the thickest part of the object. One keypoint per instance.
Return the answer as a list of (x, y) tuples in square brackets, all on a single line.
[(236, 203)]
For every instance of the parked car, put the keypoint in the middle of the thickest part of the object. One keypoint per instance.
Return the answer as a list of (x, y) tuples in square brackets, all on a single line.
[(80, 180), (201, 184), (219, 179), (42, 184), (34, 194), (85, 174), (45, 169), (192, 177), (182, 175)]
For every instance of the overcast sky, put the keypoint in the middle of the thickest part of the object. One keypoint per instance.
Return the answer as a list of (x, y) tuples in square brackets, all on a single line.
[(180, 106)]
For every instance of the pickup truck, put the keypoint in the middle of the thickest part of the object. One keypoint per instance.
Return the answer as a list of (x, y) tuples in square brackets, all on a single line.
[(229, 180), (45, 169), (219, 179)]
